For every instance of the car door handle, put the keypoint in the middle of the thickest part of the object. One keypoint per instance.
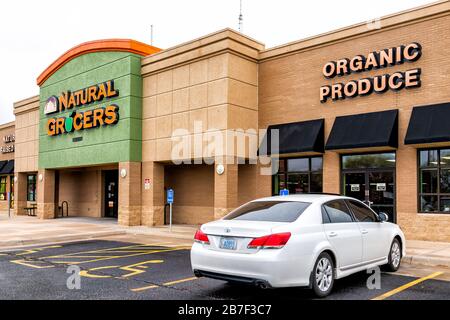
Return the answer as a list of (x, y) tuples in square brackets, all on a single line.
[(332, 234), (364, 231)]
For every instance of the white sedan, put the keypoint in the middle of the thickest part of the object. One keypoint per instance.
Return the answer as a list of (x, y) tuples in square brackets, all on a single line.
[(297, 240)]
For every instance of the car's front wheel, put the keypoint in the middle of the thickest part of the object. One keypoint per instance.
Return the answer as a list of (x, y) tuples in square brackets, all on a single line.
[(395, 256), (322, 277)]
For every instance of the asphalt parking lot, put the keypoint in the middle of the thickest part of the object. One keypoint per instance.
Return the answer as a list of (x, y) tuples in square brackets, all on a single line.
[(161, 270)]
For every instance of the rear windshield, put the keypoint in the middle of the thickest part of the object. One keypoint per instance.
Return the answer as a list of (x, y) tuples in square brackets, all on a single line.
[(272, 211)]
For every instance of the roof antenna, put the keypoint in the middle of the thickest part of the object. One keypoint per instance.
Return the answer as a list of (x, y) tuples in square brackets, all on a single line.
[(151, 35), (241, 18)]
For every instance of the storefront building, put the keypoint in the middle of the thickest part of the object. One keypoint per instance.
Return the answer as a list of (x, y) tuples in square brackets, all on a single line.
[(7, 136), (362, 111)]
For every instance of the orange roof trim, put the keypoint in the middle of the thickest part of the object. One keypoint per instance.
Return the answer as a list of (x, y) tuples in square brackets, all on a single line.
[(125, 45)]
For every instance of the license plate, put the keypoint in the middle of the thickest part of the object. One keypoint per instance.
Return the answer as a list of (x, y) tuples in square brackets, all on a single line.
[(228, 243)]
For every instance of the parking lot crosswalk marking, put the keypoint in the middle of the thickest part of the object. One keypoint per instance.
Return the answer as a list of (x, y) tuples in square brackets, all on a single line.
[(166, 284), (406, 286)]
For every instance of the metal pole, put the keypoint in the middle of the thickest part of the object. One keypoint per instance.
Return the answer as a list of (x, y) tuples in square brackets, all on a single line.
[(9, 204), (170, 217), (151, 35)]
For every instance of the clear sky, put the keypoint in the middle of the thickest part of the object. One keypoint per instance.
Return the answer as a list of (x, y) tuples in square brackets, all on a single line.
[(35, 33)]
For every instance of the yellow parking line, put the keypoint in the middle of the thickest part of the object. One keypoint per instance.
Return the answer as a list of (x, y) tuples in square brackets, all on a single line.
[(109, 257), (22, 262), (144, 288), (34, 250), (179, 281), (406, 286), (171, 283), (104, 250)]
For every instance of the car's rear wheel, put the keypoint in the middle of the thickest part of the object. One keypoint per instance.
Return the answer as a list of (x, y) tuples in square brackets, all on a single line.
[(322, 277), (395, 256)]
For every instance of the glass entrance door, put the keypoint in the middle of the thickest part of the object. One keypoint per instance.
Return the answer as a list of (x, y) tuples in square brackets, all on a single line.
[(111, 193), (381, 192), (375, 188), (371, 179)]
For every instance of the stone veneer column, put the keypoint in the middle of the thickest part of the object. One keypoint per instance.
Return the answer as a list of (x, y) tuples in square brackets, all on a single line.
[(130, 194), (153, 199), (46, 206), (20, 194), (225, 190)]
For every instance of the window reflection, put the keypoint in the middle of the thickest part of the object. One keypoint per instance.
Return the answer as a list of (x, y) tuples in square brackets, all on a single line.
[(378, 160), (299, 175), (434, 180)]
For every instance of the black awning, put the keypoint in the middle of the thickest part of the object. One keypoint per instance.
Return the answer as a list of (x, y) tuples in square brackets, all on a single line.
[(2, 164), (375, 129), (429, 124), (306, 136), (8, 168)]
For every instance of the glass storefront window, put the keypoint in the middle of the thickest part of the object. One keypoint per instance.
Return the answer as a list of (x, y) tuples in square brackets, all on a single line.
[(31, 187), (428, 181), (378, 160), (298, 183), (12, 191), (434, 181), (3, 192), (316, 164), (428, 158), (298, 165), (298, 175), (428, 204), (279, 183)]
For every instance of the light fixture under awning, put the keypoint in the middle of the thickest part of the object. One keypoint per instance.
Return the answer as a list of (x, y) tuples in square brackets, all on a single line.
[(429, 124), (375, 129)]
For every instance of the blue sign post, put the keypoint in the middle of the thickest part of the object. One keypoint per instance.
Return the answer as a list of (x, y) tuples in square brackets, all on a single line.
[(170, 194), (284, 192)]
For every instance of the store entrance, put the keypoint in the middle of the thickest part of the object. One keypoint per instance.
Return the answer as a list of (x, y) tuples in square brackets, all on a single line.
[(111, 193), (374, 184)]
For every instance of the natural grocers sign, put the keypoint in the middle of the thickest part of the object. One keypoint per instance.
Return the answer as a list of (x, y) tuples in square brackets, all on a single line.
[(82, 120)]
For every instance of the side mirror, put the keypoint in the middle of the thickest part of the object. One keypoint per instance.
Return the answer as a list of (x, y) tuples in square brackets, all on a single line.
[(383, 217)]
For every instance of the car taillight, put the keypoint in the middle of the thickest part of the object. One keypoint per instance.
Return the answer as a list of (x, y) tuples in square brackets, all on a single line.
[(273, 241), (201, 237)]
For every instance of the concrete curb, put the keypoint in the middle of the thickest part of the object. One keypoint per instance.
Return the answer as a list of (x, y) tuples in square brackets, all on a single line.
[(63, 238), (427, 261)]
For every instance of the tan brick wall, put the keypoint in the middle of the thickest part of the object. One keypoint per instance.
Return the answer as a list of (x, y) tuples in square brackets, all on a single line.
[(82, 189), (27, 135), (219, 91), (214, 81), (289, 91), (194, 201)]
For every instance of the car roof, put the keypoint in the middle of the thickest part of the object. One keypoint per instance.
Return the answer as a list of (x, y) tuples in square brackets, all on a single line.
[(305, 197)]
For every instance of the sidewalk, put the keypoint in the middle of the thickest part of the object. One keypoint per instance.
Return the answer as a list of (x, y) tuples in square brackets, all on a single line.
[(427, 253), (24, 230)]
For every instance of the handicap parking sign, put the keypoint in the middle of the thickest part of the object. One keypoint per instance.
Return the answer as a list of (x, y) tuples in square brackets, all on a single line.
[(170, 195), (284, 192)]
